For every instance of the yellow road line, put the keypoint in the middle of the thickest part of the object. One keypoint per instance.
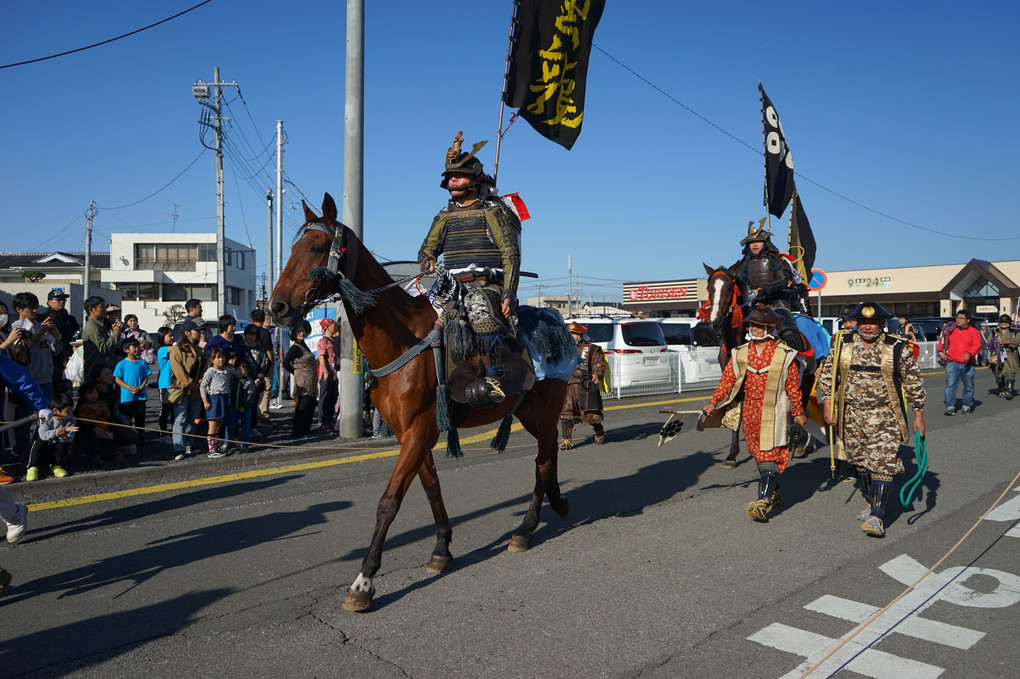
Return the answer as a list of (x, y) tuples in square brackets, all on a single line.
[(287, 469)]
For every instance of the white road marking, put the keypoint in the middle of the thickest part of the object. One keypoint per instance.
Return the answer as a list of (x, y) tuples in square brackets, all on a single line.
[(919, 628), (868, 661), (858, 655)]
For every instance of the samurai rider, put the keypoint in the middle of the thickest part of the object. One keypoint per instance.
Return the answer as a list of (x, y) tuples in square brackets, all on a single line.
[(762, 377), (862, 386), (584, 398), (1003, 360), (764, 276), (480, 240)]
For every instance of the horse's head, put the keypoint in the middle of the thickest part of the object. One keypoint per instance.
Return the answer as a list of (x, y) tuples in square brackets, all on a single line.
[(318, 263), (723, 295)]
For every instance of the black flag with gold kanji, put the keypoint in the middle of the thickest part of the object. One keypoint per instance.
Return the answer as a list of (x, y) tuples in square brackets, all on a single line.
[(549, 64), (779, 182)]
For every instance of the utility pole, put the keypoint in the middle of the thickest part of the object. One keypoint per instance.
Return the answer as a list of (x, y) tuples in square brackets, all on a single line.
[(570, 280), (89, 215), (270, 281), (539, 295), (200, 91), (352, 390), (279, 202)]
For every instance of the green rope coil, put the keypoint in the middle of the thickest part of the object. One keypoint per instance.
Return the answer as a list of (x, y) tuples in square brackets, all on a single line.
[(911, 486)]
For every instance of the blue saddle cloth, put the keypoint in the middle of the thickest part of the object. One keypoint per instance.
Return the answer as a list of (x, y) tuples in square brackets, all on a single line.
[(552, 349)]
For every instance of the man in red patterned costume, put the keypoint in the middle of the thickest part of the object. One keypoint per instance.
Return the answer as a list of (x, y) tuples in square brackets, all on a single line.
[(762, 377)]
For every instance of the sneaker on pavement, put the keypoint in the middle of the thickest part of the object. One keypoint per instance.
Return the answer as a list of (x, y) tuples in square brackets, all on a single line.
[(32, 474), (18, 524), (950, 411), (967, 411), (216, 454), (58, 471)]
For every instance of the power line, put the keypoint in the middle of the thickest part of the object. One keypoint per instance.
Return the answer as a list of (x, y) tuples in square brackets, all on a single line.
[(121, 207), (798, 174), (104, 42)]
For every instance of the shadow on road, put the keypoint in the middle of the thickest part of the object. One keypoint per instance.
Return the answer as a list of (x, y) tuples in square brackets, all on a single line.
[(94, 640), (168, 503), (137, 567)]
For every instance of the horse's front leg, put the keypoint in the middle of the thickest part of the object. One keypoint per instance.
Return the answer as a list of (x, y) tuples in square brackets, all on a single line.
[(416, 444), (441, 560)]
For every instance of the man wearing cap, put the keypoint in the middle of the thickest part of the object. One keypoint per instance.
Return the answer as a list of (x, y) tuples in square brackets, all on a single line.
[(584, 398), (958, 347), (476, 230), (98, 340), (762, 274), (860, 392), (761, 377), (67, 324), (1003, 360)]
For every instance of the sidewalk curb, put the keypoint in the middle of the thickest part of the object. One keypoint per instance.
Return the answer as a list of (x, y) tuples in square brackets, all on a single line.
[(166, 470)]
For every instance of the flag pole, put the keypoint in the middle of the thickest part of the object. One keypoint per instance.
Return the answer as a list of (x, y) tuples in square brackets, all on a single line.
[(502, 96), (764, 155)]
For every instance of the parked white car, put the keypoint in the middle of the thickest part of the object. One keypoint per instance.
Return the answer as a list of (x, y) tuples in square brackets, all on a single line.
[(637, 350)]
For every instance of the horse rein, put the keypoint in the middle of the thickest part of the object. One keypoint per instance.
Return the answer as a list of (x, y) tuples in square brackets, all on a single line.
[(338, 250)]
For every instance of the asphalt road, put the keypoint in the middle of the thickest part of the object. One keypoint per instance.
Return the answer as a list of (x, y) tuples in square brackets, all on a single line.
[(240, 571)]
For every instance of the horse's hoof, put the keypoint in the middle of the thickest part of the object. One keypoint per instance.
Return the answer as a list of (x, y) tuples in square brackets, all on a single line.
[(439, 564), (729, 464), (563, 509), (358, 601), (519, 543)]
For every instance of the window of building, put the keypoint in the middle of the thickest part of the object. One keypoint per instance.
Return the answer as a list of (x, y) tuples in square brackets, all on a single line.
[(182, 293), (138, 291), (170, 256), (234, 295)]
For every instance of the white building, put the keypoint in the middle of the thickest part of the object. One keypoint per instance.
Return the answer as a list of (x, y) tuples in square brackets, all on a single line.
[(156, 271)]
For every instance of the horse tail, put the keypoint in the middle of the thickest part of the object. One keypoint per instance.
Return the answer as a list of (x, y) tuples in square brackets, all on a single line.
[(453, 444)]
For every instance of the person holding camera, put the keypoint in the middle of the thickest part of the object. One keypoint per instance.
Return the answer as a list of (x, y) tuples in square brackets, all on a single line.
[(99, 340)]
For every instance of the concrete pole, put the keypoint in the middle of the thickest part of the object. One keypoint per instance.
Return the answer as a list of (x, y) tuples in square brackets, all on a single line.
[(351, 378), (88, 257), (278, 268), (221, 275)]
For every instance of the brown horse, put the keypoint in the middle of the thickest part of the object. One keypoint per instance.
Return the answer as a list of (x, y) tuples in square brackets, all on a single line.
[(722, 310), (387, 323)]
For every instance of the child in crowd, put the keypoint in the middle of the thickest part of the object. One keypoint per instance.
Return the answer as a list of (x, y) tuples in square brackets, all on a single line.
[(260, 366), (231, 431), (132, 375), (95, 437), (245, 400), (52, 444), (215, 391), (165, 338)]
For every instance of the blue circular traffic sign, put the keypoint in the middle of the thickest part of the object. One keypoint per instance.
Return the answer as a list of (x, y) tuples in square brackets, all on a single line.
[(818, 280)]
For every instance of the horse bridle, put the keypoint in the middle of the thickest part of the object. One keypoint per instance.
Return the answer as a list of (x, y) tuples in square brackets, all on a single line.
[(338, 250)]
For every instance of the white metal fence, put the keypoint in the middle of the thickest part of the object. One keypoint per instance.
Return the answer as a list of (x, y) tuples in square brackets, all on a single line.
[(696, 368)]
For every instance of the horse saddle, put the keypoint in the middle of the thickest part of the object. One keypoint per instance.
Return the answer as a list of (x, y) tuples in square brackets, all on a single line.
[(464, 371)]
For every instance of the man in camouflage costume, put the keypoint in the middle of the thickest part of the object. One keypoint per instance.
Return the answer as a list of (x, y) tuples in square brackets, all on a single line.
[(1003, 360), (583, 402), (863, 377), (477, 230)]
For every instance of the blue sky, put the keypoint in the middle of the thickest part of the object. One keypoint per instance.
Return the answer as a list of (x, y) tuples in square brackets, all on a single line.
[(908, 109)]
